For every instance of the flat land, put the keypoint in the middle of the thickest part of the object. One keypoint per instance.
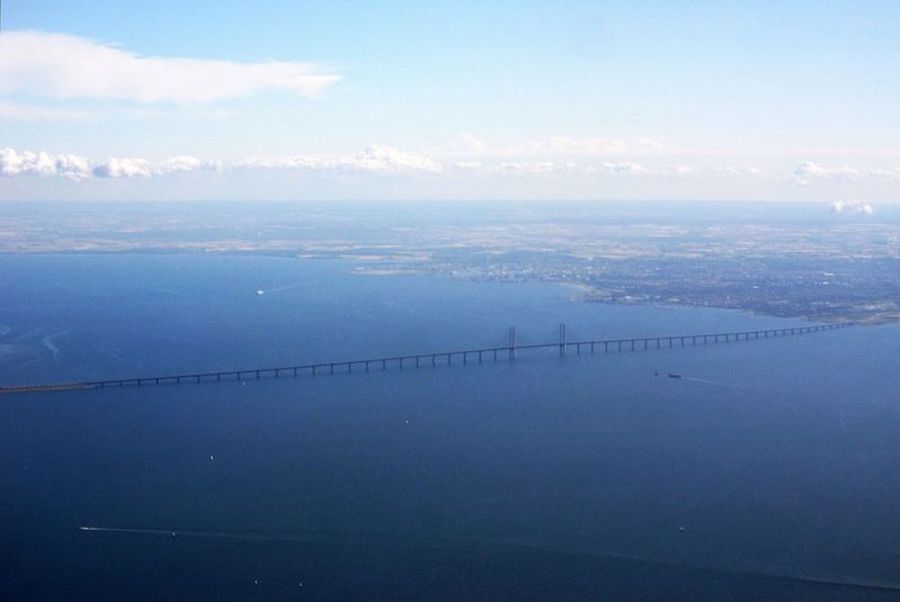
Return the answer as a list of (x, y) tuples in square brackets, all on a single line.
[(797, 262)]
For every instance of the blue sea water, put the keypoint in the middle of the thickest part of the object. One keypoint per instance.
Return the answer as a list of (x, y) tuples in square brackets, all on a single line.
[(766, 472)]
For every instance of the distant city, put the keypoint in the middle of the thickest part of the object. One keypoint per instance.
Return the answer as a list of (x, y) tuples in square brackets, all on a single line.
[(832, 268)]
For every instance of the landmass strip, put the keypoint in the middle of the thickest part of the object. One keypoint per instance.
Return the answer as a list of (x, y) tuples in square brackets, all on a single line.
[(801, 262)]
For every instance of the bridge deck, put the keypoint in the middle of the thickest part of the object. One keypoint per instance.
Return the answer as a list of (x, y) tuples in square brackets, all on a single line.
[(433, 359)]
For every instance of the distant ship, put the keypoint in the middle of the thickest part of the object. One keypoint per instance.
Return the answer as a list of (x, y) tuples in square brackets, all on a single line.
[(260, 292), (673, 375)]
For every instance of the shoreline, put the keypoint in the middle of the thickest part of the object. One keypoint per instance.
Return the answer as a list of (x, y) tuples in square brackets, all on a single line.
[(366, 265)]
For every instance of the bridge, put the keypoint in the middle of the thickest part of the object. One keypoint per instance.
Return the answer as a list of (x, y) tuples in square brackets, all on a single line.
[(508, 352)]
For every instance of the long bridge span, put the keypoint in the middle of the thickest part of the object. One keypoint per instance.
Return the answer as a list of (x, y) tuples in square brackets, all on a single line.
[(464, 356)]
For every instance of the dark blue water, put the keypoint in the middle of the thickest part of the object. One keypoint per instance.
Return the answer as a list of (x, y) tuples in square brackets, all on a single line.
[(542, 478)]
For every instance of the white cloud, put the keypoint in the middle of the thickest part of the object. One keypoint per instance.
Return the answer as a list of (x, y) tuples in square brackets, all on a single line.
[(74, 167), (809, 172), (852, 207), (13, 163), (180, 163), (732, 170), (630, 168), (388, 159), (123, 168), (544, 168), (539, 168), (374, 159), (470, 165), (625, 167), (63, 66)]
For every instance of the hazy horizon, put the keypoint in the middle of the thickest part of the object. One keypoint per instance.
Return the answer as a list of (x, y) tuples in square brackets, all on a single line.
[(379, 100)]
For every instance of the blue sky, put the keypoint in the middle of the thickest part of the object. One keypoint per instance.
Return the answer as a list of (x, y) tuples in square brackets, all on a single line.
[(283, 100)]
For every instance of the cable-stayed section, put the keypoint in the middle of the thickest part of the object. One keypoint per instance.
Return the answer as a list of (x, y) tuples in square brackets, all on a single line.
[(509, 352)]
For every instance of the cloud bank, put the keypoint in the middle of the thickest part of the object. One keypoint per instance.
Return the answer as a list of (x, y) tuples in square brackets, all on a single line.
[(122, 168), (13, 163), (809, 172), (373, 160), (387, 161), (852, 208), (50, 65)]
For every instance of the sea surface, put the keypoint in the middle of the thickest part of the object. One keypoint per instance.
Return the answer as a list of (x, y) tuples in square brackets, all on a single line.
[(769, 471)]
